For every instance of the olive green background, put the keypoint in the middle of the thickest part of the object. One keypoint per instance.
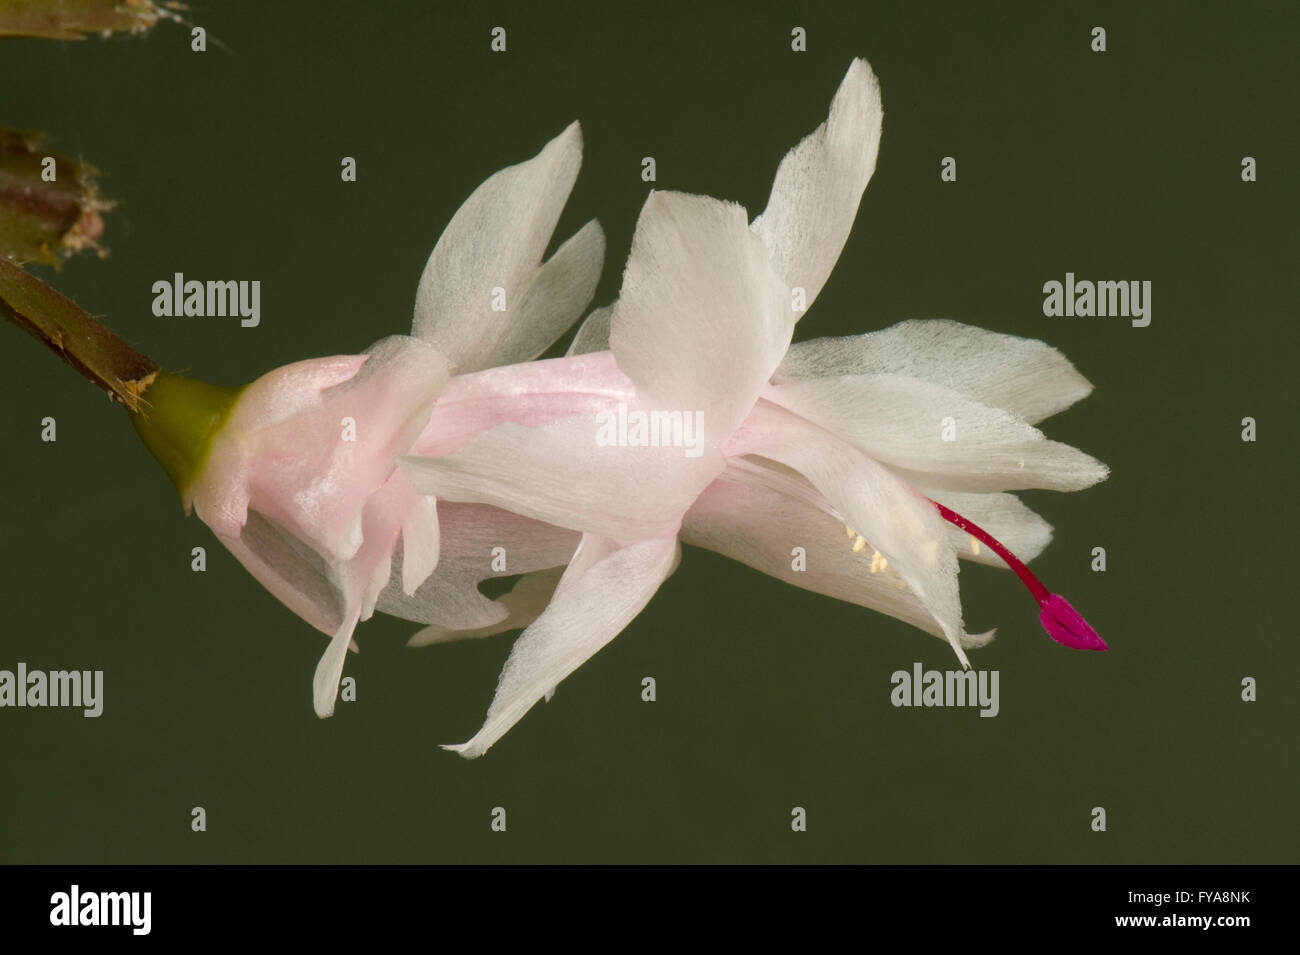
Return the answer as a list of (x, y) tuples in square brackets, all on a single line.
[(1122, 165)]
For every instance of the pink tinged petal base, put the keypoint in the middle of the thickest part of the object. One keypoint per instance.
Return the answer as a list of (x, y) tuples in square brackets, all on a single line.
[(533, 394), (1062, 622)]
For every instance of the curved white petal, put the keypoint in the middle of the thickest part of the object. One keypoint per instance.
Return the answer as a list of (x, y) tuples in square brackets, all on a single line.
[(523, 604), (325, 683), (938, 436), (701, 322), (547, 304), (472, 534), (495, 241), (894, 518), (819, 184), (601, 591), (1021, 375), (758, 514)]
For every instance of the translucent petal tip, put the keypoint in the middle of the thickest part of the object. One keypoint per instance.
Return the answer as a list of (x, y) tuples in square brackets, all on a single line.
[(1066, 625)]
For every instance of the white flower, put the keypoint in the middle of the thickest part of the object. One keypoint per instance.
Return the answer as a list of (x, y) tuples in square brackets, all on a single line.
[(797, 442)]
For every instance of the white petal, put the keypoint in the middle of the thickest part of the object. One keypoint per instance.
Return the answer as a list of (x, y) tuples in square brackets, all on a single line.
[(820, 183), (937, 436), (602, 590), (385, 513), (758, 513), (561, 475), (496, 241), (524, 604), (893, 517), (551, 302), (1020, 375), (325, 684), (450, 598), (701, 323), (593, 333), (421, 539)]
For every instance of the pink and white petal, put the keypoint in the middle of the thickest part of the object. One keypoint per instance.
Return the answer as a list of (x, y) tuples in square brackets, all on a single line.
[(894, 518), (220, 493), (701, 321), (600, 593), (297, 576), (534, 393), (365, 575), (496, 241), (361, 579), (523, 604), (596, 373), (819, 185), (561, 475), (289, 390), (1021, 375), (937, 436), (313, 473), (757, 513), (281, 540)]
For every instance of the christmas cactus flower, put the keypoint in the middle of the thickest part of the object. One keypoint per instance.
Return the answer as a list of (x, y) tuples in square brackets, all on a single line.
[(383, 481), (701, 422), (297, 472)]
